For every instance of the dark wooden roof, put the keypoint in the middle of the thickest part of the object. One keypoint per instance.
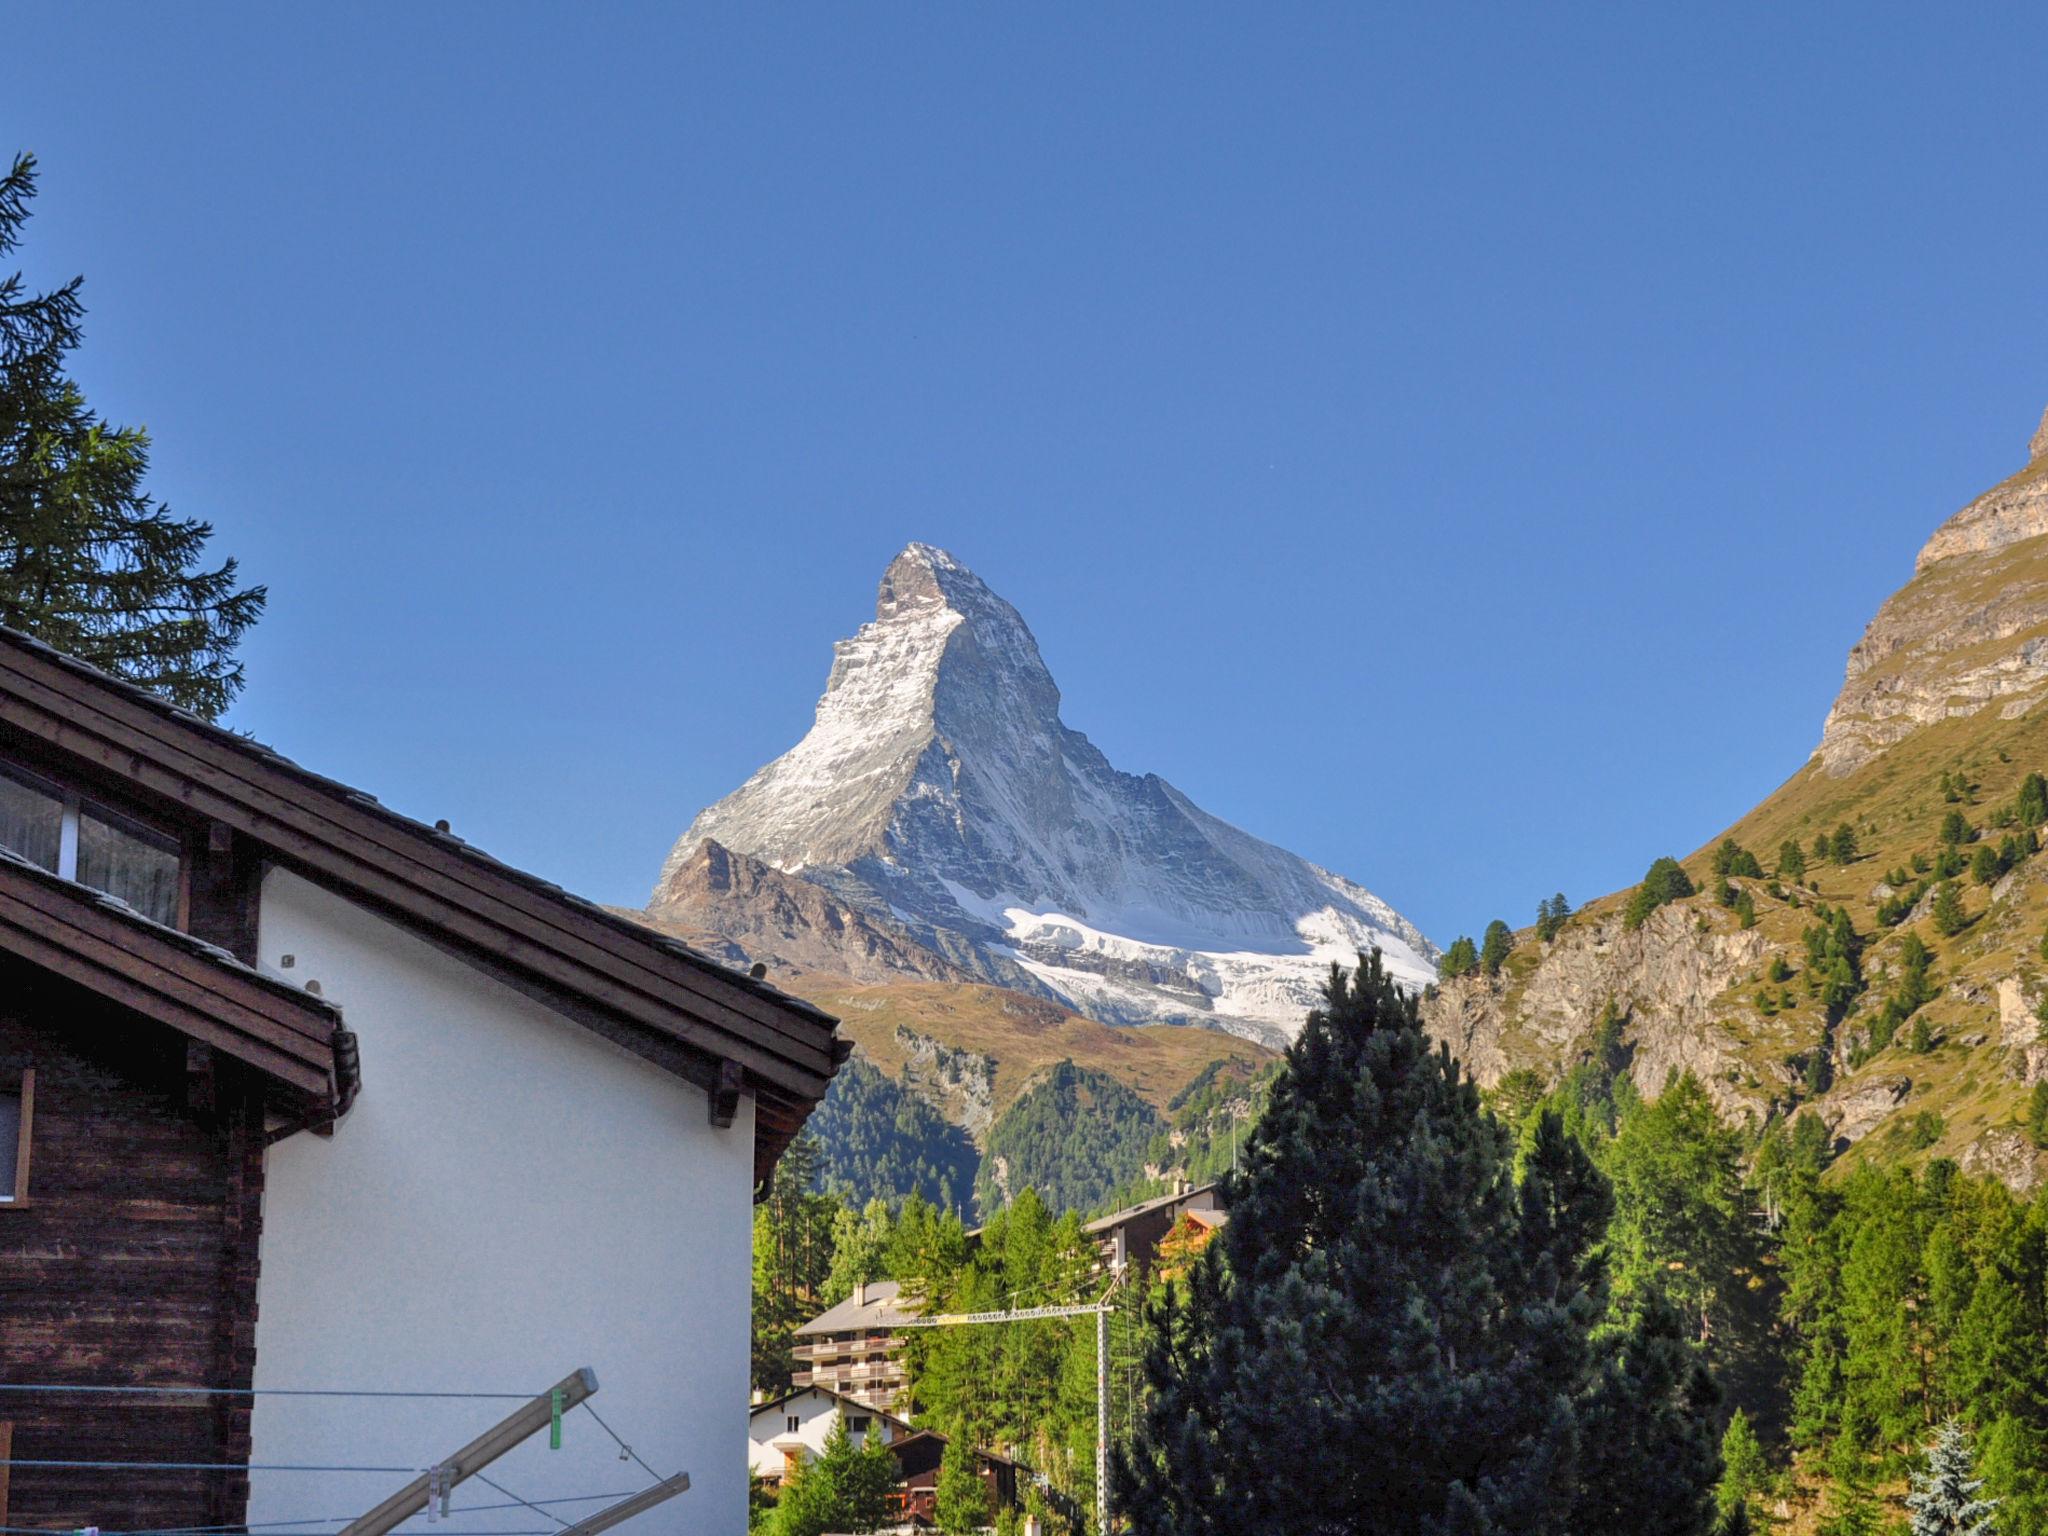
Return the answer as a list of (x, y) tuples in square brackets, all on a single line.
[(204, 993), (642, 989)]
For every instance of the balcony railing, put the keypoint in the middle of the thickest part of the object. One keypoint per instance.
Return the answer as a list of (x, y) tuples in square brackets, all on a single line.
[(858, 1344)]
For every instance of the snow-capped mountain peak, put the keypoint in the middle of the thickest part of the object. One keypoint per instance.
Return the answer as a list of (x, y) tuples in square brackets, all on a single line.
[(939, 789)]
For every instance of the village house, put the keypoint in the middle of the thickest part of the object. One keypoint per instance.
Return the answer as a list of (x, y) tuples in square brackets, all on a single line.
[(918, 1459), (857, 1348), (786, 1431), (299, 1094), (1130, 1238)]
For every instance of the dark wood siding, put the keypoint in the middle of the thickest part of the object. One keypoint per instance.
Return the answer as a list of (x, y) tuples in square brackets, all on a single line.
[(133, 1264)]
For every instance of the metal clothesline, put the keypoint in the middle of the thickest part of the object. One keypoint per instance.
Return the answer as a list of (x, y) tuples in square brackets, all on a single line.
[(66, 1386), (430, 1485)]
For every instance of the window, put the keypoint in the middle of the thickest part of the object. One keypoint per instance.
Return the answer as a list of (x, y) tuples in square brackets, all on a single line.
[(857, 1424), (55, 828), (31, 817), (17, 1118), (125, 859), (794, 1424)]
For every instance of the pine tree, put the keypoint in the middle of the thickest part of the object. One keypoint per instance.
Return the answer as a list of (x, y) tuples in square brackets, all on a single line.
[(962, 1504), (1432, 1322), (1743, 1468), (1944, 1499), (1461, 959), (1664, 881), (1843, 847), (1949, 917), (1550, 917), (1494, 949), (1791, 860), (1955, 829), (846, 1489), (2031, 804), (89, 562)]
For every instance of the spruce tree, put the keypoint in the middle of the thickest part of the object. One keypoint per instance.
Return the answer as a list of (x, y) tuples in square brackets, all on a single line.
[(1391, 1335), (1944, 1499), (89, 562), (1791, 860)]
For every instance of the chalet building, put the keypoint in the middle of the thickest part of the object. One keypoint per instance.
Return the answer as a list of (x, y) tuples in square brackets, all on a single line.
[(297, 1093), (856, 1348), (1129, 1239), (919, 1455), (786, 1431)]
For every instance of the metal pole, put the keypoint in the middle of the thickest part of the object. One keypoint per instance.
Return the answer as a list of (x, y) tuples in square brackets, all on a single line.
[(1102, 1420)]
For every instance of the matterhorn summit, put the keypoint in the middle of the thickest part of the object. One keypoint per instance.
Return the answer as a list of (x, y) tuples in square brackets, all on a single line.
[(940, 820)]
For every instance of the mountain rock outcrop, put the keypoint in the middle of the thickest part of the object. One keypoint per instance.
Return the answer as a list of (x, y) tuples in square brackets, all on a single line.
[(945, 810), (1666, 976), (1970, 629), (1755, 985)]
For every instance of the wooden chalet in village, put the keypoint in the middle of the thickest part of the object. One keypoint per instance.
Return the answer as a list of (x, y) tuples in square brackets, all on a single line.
[(297, 1093)]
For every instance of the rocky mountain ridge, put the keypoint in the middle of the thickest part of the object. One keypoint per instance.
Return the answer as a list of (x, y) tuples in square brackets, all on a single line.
[(1969, 630), (1937, 717), (941, 821)]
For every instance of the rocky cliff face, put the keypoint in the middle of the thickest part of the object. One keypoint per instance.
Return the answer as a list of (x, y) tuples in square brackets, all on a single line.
[(940, 800), (1670, 977), (1969, 630)]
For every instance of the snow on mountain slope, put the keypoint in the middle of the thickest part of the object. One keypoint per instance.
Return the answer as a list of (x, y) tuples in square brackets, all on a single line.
[(938, 788)]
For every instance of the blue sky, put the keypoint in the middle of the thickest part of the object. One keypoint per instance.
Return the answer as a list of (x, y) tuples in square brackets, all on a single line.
[(1458, 443)]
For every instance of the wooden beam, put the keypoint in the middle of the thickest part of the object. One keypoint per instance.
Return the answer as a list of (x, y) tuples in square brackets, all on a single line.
[(475, 1456), (626, 1509), (24, 1138), (199, 1075), (725, 1097)]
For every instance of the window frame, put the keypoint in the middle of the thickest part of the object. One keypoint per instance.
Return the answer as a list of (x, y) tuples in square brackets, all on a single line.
[(18, 1198), (75, 803)]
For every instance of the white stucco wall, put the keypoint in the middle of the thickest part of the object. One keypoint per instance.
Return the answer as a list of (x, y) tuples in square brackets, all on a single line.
[(816, 1412), (510, 1198)]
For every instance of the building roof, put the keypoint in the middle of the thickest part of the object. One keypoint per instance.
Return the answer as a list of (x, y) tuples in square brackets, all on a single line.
[(851, 1404), (878, 1313), (1116, 1219), (98, 942), (917, 1438), (644, 990)]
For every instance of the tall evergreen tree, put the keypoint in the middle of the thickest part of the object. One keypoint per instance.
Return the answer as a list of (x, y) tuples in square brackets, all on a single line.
[(89, 562), (962, 1498), (846, 1489), (1497, 945), (1944, 1499), (1432, 1322)]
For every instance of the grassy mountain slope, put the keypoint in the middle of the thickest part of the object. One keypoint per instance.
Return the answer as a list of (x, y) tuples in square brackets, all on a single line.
[(1944, 690), (1023, 1036)]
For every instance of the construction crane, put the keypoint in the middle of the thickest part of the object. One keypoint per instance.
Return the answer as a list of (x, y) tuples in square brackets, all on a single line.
[(1100, 1311)]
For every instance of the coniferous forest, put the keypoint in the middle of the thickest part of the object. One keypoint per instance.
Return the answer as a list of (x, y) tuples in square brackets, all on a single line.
[(1642, 1315)]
